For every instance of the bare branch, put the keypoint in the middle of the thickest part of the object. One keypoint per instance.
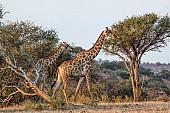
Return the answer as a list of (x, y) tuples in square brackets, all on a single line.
[(9, 97), (14, 93), (37, 71), (24, 93), (1, 69), (25, 85)]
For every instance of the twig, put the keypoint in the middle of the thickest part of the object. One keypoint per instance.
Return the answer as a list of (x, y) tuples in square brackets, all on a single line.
[(1, 69), (9, 97)]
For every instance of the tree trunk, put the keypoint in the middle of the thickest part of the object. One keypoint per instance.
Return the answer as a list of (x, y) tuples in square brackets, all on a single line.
[(41, 94), (134, 79), (136, 83), (133, 87)]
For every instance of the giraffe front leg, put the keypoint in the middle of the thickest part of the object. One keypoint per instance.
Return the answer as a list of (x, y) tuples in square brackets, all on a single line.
[(88, 85), (78, 87), (57, 86)]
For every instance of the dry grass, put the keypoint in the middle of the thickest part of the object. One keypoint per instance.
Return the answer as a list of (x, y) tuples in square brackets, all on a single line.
[(141, 107)]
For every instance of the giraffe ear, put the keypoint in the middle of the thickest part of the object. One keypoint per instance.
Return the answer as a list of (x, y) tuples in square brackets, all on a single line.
[(64, 42), (106, 28)]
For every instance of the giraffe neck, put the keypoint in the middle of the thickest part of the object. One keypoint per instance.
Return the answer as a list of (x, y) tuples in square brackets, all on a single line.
[(52, 57), (94, 51)]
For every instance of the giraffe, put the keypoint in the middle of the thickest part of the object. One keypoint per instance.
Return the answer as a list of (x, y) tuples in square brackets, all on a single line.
[(80, 66), (47, 61)]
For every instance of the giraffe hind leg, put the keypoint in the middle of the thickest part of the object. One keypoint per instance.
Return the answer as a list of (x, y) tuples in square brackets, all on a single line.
[(57, 86)]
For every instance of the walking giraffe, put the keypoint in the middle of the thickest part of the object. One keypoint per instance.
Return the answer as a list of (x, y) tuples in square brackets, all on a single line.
[(47, 61), (80, 66)]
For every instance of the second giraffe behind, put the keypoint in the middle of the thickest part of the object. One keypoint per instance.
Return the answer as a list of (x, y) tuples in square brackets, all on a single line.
[(80, 66)]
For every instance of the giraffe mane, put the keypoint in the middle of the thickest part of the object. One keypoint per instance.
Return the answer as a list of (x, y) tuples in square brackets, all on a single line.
[(95, 42)]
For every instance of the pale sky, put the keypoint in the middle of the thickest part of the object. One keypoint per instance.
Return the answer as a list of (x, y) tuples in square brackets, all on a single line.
[(81, 21)]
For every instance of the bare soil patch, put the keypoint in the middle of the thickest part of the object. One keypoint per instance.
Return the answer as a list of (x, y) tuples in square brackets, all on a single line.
[(141, 107)]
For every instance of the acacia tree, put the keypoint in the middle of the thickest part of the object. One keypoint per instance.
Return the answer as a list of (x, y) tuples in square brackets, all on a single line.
[(134, 37), (25, 80), (21, 45)]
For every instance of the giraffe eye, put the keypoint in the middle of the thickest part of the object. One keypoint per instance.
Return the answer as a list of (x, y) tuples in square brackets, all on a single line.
[(109, 31)]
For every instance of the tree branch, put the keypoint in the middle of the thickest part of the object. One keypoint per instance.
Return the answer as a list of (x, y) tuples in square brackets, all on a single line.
[(14, 93)]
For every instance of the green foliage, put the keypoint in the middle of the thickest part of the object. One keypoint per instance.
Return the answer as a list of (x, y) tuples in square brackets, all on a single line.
[(138, 35), (164, 74), (145, 72), (122, 74), (113, 65), (76, 50), (25, 43)]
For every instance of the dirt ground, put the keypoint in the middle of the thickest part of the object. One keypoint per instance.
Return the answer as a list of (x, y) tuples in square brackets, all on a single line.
[(141, 107)]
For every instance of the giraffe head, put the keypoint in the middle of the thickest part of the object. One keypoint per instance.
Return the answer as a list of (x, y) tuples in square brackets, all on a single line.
[(107, 32), (64, 45)]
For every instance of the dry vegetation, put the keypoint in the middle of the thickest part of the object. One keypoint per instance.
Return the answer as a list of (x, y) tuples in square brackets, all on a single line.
[(142, 107)]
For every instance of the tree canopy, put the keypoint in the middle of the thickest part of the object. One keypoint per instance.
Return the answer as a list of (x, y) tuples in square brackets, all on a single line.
[(137, 35)]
